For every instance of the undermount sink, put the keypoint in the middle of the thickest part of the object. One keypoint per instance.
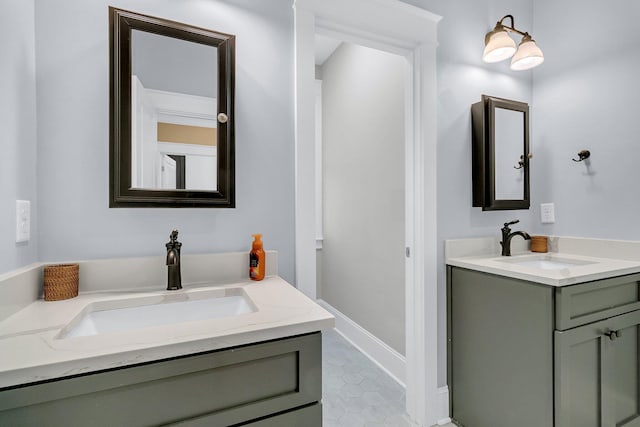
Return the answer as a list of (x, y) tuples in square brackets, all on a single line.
[(143, 312), (545, 262)]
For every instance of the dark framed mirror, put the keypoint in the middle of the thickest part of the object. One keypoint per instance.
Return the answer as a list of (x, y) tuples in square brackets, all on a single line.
[(171, 114), (501, 154)]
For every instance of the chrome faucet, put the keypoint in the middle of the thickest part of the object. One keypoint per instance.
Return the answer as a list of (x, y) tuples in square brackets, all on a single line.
[(507, 235), (174, 281)]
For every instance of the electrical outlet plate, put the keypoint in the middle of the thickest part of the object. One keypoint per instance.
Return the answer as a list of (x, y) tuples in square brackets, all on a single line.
[(547, 213), (23, 221)]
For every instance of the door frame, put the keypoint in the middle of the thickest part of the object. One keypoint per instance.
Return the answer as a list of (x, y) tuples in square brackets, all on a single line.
[(400, 28)]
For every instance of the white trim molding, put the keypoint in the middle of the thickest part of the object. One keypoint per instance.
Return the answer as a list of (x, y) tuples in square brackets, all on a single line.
[(305, 168), (170, 104), (389, 360), (406, 30), (443, 406)]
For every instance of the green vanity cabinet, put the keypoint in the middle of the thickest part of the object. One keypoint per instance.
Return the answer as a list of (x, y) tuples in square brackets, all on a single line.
[(273, 383), (530, 355)]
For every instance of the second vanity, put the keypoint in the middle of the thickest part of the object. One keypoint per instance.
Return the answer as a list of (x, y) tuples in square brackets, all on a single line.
[(238, 353), (544, 340)]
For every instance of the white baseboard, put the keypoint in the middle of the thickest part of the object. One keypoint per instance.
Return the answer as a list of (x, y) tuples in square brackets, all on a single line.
[(442, 407), (389, 360)]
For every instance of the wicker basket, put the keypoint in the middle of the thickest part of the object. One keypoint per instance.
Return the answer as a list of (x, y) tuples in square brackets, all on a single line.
[(538, 243), (61, 281)]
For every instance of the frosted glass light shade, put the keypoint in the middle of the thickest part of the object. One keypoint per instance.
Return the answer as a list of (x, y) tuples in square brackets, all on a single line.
[(528, 56), (499, 46)]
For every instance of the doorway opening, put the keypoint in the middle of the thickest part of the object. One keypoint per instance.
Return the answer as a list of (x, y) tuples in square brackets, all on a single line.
[(411, 32)]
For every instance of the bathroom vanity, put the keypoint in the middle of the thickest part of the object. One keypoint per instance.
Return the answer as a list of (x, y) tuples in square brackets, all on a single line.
[(544, 340), (236, 352)]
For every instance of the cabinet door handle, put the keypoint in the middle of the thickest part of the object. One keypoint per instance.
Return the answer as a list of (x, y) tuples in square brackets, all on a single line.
[(613, 335)]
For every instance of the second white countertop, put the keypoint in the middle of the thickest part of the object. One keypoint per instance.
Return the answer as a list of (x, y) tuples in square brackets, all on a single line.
[(584, 260), (592, 269)]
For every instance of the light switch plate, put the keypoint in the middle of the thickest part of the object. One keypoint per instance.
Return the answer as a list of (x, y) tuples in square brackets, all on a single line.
[(547, 213), (23, 220)]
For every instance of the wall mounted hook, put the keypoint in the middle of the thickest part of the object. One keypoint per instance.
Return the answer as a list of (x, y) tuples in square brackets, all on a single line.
[(582, 155), (521, 162)]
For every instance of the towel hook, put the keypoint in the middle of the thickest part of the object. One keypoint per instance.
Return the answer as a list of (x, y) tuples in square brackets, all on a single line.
[(582, 155), (521, 162)]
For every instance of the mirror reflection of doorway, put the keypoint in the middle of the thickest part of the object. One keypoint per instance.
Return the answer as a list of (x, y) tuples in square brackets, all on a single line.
[(173, 172), (180, 171)]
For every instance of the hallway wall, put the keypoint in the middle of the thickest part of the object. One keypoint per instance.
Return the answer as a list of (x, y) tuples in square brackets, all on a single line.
[(362, 260)]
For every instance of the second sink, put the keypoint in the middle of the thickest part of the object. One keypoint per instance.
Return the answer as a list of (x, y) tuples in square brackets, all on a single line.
[(545, 262)]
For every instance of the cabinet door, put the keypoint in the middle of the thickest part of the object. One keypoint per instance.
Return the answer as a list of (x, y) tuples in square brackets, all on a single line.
[(597, 377), (500, 351)]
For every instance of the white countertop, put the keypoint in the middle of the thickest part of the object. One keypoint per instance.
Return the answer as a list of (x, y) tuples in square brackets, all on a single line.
[(31, 351)]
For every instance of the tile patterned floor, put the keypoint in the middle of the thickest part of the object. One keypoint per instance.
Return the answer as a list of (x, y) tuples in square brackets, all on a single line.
[(356, 392)]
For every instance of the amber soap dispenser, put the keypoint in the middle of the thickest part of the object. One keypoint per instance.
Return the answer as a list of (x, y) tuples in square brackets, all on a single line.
[(257, 259)]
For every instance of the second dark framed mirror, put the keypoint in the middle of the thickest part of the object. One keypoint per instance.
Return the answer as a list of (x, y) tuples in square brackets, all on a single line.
[(501, 154), (171, 114)]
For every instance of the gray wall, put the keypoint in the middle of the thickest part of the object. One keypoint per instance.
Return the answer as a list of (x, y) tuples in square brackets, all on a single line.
[(18, 131), (585, 97), (362, 261), (462, 78), (73, 108)]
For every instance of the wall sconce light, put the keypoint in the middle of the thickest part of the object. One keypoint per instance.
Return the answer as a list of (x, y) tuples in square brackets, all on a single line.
[(500, 46)]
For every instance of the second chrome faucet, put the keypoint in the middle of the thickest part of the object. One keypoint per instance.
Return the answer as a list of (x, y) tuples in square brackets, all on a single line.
[(507, 235)]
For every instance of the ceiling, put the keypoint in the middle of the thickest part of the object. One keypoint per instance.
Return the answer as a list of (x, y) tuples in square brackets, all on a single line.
[(324, 46)]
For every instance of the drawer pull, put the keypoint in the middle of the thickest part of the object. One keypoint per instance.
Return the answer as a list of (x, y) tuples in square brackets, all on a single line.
[(613, 335)]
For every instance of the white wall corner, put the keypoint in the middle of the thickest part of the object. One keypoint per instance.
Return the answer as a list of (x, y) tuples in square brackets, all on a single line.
[(389, 360)]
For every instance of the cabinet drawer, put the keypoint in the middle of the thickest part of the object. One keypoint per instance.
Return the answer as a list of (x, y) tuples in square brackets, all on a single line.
[(589, 302)]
